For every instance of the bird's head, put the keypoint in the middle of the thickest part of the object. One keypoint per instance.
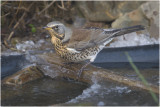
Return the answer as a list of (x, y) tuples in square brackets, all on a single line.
[(56, 29)]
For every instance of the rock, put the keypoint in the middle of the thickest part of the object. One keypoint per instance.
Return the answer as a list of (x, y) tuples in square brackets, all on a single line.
[(96, 24), (60, 69), (106, 10), (147, 14), (135, 17), (151, 11), (79, 22), (23, 76)]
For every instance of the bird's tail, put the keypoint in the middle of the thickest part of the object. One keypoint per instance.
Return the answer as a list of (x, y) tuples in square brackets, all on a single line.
[(119, 32)]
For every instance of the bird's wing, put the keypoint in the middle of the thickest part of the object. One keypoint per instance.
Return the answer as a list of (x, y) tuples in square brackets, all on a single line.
[(87, 37)]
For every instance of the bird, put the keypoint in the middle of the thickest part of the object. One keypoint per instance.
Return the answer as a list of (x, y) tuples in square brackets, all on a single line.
[(95, 39)]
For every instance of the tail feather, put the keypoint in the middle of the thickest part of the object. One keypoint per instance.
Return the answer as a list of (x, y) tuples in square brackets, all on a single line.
[(128, 30), (119, 32)]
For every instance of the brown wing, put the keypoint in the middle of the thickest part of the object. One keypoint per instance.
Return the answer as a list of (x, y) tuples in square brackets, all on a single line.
[(85, 38)]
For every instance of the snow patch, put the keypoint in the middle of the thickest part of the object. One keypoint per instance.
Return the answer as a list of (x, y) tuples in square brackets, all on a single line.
[(120, 90), (101, 103), (92, 90), (133, 39), (27, 45)]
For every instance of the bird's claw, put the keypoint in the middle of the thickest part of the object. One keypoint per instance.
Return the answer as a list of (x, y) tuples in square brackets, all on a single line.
[(79, 74)]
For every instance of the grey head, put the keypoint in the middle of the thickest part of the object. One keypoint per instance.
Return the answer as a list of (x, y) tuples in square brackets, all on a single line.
[(56, 28)]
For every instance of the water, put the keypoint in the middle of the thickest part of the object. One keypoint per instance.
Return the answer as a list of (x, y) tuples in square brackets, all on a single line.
[(45, 91), (112, 94), (109, 93)]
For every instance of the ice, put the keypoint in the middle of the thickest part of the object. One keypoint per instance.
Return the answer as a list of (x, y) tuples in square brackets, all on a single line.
[(93, 89), (27, 45), (29, 65), (121, 90), (101, 103), (39, 43), (133, 39), (48, 71), (9, 52)]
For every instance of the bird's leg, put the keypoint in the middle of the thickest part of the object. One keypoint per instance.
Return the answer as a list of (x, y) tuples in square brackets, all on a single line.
[(82, 68)]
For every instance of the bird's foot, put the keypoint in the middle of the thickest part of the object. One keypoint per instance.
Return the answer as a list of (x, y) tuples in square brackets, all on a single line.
[(82, 69), (79, 74)]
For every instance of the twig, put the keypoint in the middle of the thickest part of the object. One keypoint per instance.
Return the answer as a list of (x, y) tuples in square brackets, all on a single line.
[(6, 15), (40, 12), (46, 11), (62, 3), (19, 8), (15, 26), (15, 15), (46, 7), (62, 7), (4, 3)]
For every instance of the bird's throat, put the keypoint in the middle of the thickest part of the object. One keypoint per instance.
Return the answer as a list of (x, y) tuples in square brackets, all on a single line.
[(58, 46)]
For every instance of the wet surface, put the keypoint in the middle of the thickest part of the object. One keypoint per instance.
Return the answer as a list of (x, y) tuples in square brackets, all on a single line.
[(150, 74), (11, 64), (45, 91), (112, 94), (49, 91)]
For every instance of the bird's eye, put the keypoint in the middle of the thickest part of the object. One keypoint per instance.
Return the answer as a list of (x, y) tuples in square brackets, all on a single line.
[(56, 27)]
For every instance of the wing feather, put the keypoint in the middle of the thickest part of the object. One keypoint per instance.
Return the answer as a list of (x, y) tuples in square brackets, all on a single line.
[(86, 38)]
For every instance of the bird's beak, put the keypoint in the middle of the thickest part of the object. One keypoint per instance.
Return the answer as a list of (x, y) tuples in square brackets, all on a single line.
[(46, 28)]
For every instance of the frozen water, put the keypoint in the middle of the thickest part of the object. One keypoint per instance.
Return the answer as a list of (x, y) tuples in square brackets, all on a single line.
[(48, 71), (28, 45), (101, 103), (121, 90), (39, 43), (133, 39), (99, 91), (9, 52), (87, 93), (29, 65)]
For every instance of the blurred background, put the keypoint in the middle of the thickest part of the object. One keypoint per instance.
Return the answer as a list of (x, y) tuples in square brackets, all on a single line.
[(23, 20)]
